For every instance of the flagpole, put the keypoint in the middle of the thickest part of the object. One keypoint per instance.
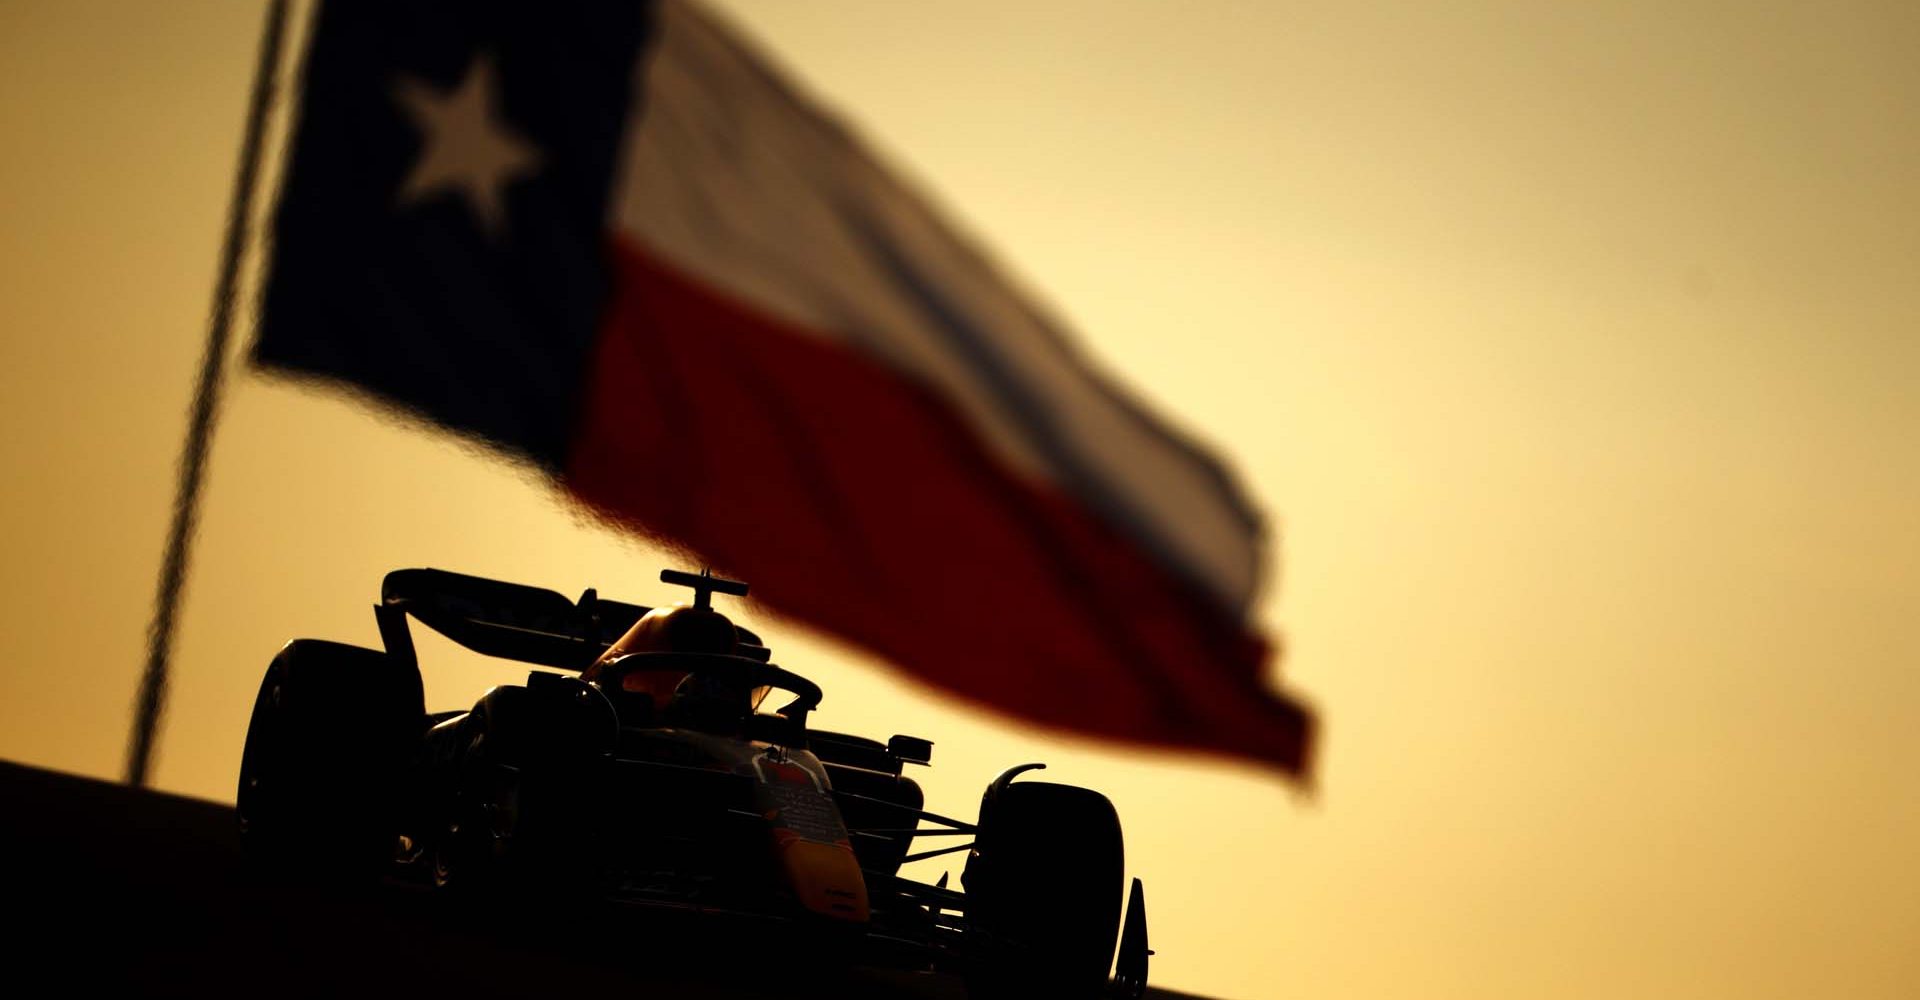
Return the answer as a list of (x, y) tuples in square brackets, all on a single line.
[(206, 400)]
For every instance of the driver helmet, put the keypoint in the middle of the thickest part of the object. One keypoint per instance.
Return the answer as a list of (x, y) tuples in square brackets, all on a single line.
[(677, 629)]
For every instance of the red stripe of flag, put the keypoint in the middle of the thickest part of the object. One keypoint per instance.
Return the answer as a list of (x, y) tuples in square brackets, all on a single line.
[(858, 501)]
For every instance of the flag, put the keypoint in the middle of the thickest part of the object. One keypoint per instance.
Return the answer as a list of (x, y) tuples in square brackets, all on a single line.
[(612, 241)]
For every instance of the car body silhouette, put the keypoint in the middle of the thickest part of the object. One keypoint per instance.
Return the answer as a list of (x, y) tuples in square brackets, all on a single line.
[(661, 760)]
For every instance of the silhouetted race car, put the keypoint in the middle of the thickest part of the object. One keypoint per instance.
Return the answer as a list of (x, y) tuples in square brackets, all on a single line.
[(648, 766)]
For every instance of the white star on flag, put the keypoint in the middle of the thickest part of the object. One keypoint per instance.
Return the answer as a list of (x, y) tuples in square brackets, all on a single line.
[(466, 149)]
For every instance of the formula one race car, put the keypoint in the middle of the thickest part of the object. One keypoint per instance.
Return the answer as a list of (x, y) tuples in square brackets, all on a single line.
[(645, 766)]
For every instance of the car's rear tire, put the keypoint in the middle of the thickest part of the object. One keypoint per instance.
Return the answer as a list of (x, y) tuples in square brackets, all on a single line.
[(1043, 892), (326, 754)]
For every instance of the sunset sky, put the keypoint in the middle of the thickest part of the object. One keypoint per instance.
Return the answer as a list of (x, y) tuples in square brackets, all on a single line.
[(1571, 350)]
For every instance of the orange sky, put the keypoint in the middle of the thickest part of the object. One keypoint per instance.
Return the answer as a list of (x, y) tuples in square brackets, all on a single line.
[(1570, 346)]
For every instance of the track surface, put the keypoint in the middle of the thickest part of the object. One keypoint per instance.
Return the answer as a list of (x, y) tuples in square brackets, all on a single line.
[(110, 888)]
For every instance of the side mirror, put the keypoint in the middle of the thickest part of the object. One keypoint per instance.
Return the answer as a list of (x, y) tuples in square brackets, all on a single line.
[(911, 749)]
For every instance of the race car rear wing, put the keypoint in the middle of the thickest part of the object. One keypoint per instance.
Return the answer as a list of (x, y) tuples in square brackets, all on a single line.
[(508, 620)]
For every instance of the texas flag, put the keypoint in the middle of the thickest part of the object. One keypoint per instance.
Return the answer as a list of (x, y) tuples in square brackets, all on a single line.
[(611, 240)]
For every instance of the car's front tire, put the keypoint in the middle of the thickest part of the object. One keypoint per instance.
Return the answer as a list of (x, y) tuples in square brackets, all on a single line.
[(1043, 889)]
